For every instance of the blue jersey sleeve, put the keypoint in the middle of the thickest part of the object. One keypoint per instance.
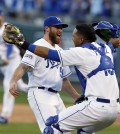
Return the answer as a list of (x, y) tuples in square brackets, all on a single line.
[(53, 55), (9, 50)]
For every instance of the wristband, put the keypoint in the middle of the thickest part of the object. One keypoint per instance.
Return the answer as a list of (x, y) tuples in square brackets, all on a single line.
[(31, 48), (28, 46)]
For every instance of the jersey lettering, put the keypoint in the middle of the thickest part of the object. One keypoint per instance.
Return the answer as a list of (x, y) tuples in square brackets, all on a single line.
[(61, 72), (100, 49), (109, 72), (52, 64)]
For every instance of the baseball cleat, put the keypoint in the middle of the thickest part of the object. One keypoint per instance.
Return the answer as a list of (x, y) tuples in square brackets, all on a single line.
[(3, 120)]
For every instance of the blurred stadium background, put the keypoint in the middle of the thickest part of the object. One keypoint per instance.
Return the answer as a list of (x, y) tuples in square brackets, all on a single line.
[(30, 14)]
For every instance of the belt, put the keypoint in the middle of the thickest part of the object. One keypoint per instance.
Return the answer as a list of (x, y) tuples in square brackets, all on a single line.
[(105, 100), (48, 89)]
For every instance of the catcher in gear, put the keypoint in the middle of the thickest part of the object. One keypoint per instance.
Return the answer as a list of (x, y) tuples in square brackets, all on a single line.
[(108, 32)]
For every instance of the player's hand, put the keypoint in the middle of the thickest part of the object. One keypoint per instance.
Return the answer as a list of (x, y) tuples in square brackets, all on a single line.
[(12, 35), (115, 42), (13, 89), (80, 99), (3, 62)]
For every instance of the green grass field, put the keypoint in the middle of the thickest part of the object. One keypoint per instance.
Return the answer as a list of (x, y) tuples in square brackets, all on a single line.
[(32, 128)]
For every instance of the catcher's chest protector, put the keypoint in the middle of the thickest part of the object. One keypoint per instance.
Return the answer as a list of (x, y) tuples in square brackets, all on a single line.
[(105, 61)]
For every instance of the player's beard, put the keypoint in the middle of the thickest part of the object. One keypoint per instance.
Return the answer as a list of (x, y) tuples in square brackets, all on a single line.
[(53, 37)]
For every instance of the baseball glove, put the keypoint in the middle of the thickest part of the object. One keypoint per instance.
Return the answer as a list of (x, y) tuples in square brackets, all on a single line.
[(12, 35)]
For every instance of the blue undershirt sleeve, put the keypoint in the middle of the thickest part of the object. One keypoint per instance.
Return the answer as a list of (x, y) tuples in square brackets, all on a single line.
[(9, 50), (53, 55)]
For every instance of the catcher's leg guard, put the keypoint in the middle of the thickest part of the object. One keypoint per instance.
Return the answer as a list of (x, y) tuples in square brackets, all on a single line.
[(51, 120), (48, 130)]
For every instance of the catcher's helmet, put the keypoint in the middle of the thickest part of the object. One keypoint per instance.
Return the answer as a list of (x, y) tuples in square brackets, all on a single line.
[(109, 29)]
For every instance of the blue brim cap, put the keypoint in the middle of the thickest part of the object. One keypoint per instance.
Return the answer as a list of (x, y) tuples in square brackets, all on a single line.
[(104, 25), (54, 21)]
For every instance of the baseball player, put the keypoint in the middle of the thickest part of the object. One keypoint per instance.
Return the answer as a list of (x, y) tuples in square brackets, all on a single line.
[(9, 59), (95, 70), (109, 33), (45, 76)]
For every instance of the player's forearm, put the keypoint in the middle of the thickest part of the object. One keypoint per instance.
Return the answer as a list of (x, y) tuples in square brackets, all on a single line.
[(41, 51), (70, 89), (18, 74)]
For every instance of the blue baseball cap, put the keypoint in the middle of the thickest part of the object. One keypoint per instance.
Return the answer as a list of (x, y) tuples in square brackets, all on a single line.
[(105, 25), (54, 21), (113, 28)]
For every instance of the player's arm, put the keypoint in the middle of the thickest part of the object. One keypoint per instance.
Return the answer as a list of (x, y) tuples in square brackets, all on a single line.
[(12, 35), (70, 89), (19, 72), (41, 51)]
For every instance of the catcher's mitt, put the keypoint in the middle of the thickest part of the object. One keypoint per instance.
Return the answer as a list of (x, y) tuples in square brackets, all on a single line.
[(12, 35)]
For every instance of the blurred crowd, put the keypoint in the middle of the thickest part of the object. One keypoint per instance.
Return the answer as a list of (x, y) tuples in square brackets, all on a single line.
[(74, 9)]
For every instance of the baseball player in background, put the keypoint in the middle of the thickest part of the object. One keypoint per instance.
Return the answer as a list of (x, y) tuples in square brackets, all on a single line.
[(95, 70), (109, 33), (45, 76), (9, 60)]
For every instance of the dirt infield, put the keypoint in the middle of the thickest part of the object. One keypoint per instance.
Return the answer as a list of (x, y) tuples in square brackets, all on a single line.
[(23, 114)]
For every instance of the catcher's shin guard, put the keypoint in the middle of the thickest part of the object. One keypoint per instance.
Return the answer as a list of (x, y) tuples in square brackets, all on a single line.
[(48, 130), (51, 120)]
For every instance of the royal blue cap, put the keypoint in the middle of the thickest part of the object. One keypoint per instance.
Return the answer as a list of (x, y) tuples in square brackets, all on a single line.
[(104, 25), (54, 21), (113, 28)]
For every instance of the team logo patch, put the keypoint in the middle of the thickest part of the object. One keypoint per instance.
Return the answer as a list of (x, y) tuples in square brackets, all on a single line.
[(29, 56), (58, 19)]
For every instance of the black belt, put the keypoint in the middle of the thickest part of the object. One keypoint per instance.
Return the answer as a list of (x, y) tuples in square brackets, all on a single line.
[(105, 100), (48, 89)]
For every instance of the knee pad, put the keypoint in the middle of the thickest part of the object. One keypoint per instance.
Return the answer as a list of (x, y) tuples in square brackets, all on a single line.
[(51, 120), (48, 130)]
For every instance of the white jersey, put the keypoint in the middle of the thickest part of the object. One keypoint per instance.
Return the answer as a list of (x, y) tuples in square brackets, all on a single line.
[(100, 85), (44, 72), (15, 54)]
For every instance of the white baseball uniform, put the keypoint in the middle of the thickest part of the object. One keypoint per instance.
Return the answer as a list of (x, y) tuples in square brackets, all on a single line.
[(99, 110), (8, 70), (45, 80)]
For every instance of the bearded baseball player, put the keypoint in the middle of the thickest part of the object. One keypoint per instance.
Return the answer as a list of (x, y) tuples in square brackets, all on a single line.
[(95, 70), (9, 60), (46, 77)]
